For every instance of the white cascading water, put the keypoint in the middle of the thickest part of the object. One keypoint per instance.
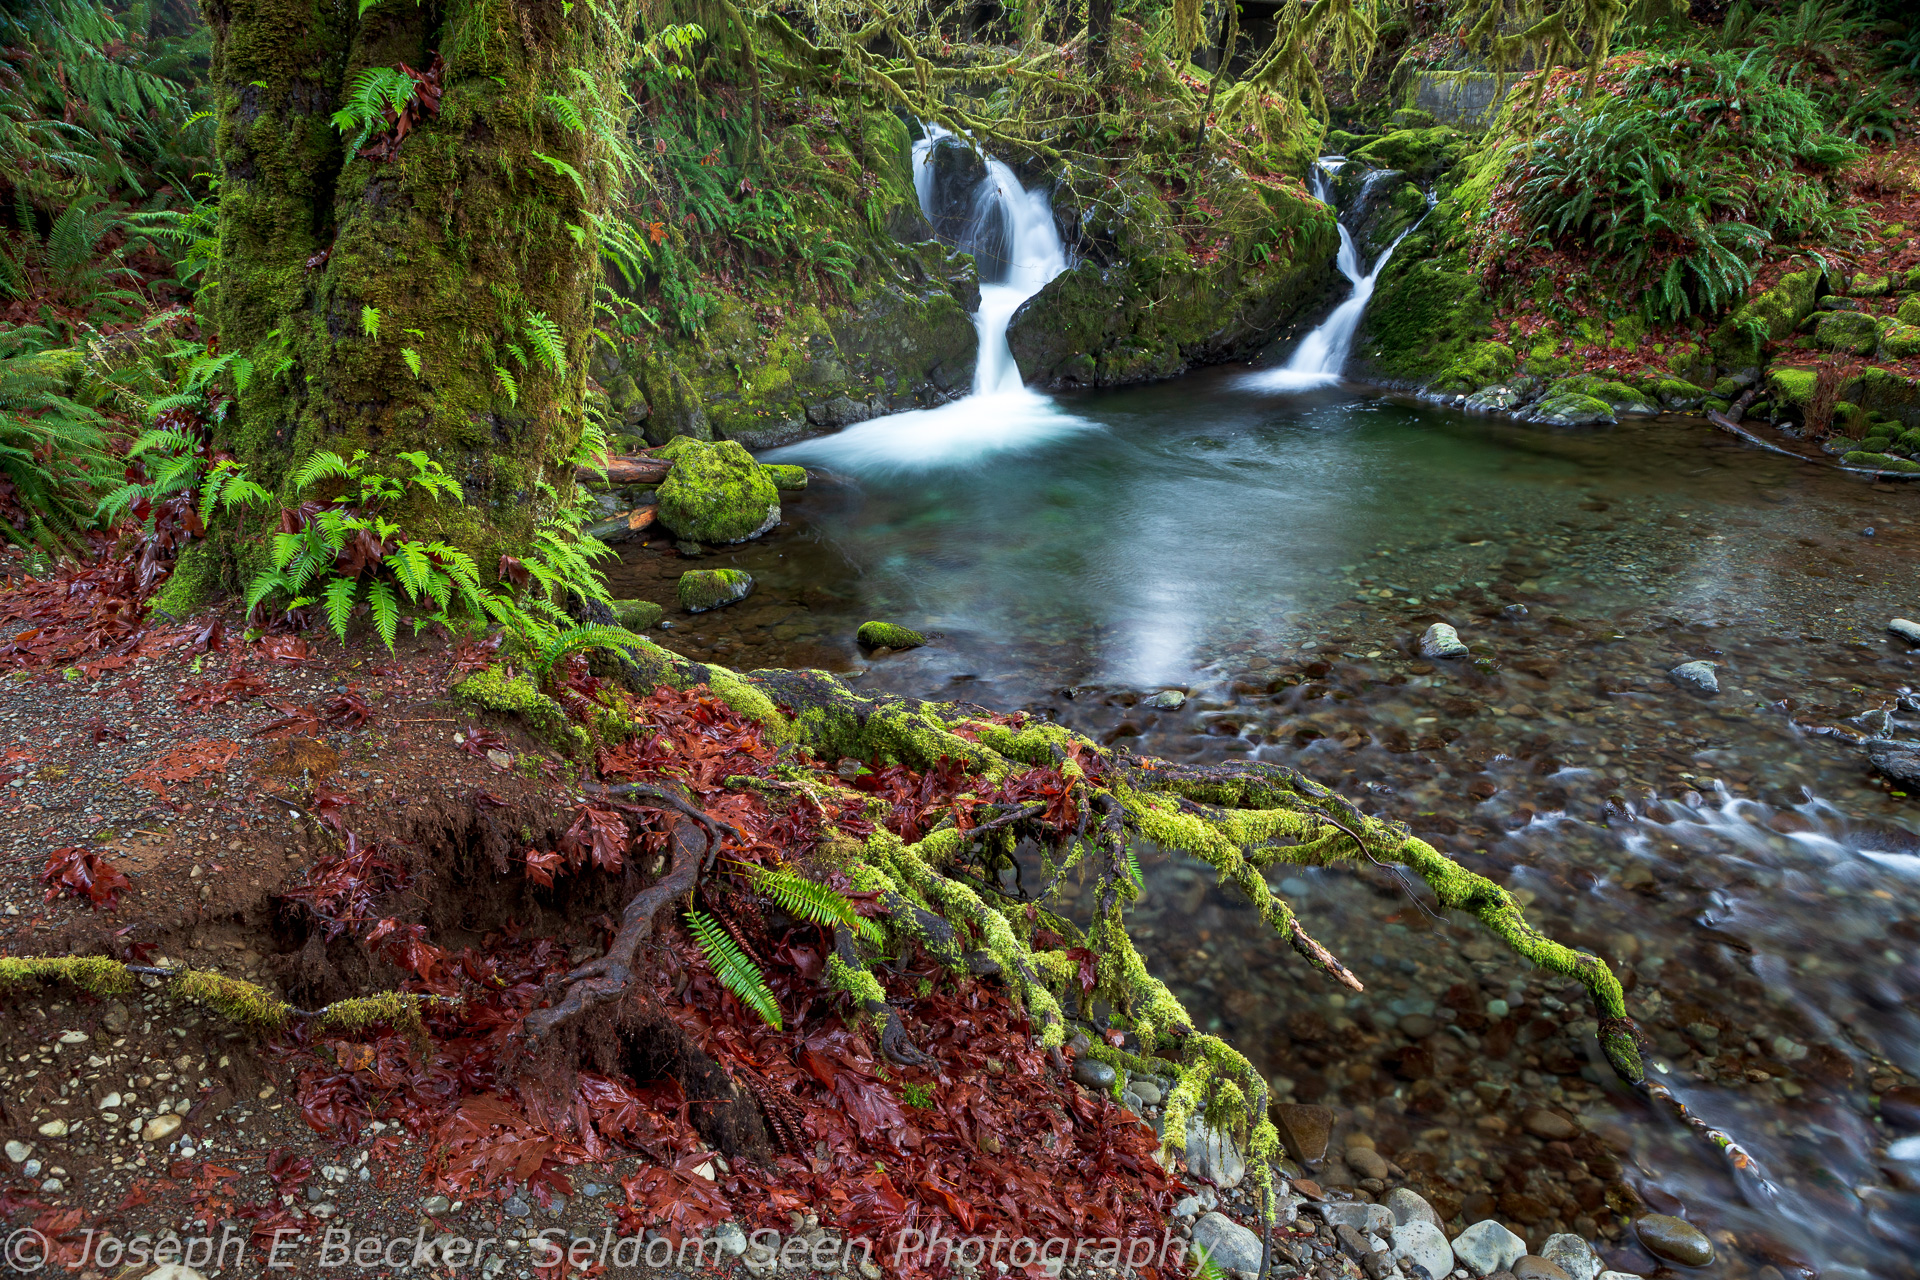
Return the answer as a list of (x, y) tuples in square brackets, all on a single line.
[(1000, 413), (1322, 354)]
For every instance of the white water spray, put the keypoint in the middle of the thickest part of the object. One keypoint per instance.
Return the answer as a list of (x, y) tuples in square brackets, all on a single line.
[(1012, 234), (1321, 355)]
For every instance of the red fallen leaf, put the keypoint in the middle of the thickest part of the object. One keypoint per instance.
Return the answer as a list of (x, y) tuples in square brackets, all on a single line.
[(285, 648), (298, 722), (83, 873), (1089, 967), (960, 1209), (543, 865), (210, 637), (873, 1107), (596, 833), (285, 1169), (477, 742), (184, 762), (1309, 1188), (347, 711), (99, 731)]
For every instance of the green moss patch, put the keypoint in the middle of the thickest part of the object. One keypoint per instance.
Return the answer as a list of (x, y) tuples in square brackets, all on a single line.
[(717, 493), (703, 589), (885, 635)]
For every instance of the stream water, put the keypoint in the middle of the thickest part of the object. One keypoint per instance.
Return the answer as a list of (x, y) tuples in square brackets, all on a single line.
[(1276, 557)]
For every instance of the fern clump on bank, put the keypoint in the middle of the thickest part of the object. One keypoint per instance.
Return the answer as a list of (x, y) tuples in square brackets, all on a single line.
[(1669, 179)]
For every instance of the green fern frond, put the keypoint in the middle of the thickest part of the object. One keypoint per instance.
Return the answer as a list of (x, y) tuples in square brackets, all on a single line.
[(370, 322), (807, 900), (547, 341), (386, 611), (736, 971), (582, 640), (412, 358)]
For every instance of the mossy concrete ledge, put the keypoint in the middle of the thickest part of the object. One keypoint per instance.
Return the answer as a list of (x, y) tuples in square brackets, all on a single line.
[(885, 635)]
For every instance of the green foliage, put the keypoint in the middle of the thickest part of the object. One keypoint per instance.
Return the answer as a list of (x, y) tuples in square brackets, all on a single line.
[(736, 971), (106, 102), (67, 271), (373, 93), (1679, 180), (53, 450), (805, 900), (917, 1096), (1204, 1267)]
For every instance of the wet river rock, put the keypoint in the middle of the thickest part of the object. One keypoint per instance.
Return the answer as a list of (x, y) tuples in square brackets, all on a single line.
[(1674, 1239)]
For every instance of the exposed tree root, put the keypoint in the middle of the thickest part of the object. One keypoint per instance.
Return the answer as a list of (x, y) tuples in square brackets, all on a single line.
[(943, 890)]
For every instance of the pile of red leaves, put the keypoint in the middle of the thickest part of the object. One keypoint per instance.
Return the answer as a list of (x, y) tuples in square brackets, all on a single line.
[(996, 1136)]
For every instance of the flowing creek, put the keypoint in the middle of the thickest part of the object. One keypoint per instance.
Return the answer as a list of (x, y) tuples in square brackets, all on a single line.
[(1276, 557)]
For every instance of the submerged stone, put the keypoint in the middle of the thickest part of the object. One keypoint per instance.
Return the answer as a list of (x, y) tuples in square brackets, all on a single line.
[(704, 589), (1174, 699), (1420, 1244), (1305, 1129), (1442, 641), (885, 635), (1699, 674), (1906, 628), (717, 493), (1674, 1239)]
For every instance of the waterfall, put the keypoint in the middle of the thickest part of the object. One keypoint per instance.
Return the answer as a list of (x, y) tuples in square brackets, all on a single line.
[(1016, 245), (1321, 355)]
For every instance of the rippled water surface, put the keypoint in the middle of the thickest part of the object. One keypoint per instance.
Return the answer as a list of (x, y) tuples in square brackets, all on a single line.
[(1276, 558)]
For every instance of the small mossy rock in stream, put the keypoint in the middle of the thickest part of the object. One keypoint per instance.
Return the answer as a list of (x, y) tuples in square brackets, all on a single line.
[(1442, 641), (1880, 461), (637, 615), (1769, 315), (1674, 1239), (785, 477), (1422, 154), (885, 635), (702, 589), (1677, 395), (1618, 396), (1847, 331), (1497, 398), (1570, 409), (717, 493)]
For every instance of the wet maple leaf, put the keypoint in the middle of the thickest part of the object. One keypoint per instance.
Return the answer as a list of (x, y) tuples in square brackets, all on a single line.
[(83, 873), (597, 834)]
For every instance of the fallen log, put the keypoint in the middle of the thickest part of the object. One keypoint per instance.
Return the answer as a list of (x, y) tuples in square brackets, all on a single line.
[(625, 525), (623, 469)]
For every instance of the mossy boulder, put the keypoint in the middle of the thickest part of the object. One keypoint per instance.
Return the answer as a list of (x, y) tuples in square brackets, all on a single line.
[(1482, 364), (885, 635), (1560, 408), (786, 478), (1767, 316), (702, 589), (1422, 154), (1677, 395), (717, 493), (1865, 286), (1886, 392), (1793, 388), (637, 615), (1848, 331), (1143, 303), (1909, 312), (1901, 341)]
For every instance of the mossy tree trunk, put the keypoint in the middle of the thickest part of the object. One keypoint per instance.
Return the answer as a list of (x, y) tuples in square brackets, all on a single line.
[(396, 302)]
